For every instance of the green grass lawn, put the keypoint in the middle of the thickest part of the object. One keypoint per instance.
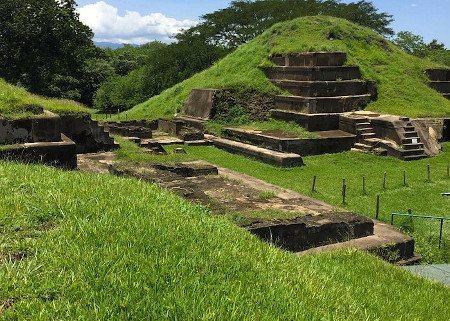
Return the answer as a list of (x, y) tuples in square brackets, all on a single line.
[(402, 84), (16, 102), (421, 196), (90, 247)]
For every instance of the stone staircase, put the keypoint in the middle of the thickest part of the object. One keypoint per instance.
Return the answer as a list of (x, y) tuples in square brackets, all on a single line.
[(440, 80), (367, 141), (89, 135), (385, 135), (321, 87)]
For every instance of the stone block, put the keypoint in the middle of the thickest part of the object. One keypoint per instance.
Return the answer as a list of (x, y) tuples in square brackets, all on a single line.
[(200, 103)]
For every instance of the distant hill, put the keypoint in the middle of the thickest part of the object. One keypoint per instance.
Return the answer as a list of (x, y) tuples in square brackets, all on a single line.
[(402, 85), (110, 45)]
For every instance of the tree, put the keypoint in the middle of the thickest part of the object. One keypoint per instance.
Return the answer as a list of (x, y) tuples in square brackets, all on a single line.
[(415, 45), (44, 47), (411, 43), (244, 20), (164, 66)]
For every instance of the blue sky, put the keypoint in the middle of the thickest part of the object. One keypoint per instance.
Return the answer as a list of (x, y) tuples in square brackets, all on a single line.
[(430, 19)]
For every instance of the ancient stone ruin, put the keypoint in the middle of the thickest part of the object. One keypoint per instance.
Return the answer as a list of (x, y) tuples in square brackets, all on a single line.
[(327, 98), (52, 139)]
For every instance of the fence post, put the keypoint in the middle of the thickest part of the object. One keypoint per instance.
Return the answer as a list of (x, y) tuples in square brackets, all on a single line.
[(314, 184), (377, 214), (440, 233), (344, 190)]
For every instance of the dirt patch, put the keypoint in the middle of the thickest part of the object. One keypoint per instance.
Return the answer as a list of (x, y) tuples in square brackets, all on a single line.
[(333, 133), (13, 257), (222, 195), (48, 226), (6, 305), (97, 163)]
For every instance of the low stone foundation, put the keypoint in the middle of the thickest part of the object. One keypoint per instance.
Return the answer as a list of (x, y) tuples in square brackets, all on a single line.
[(59, 154), (307, 232)]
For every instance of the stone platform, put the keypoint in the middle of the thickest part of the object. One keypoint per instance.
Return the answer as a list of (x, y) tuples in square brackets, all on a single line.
[(332, 141), (272, 157)]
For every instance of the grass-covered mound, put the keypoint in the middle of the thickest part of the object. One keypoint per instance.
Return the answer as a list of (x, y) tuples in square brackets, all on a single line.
[(91, 247), (402, 84), (16, 102)]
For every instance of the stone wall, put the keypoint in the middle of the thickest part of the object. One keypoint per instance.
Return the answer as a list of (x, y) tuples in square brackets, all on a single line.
[(431, 132), (45, 128), (86, 133)]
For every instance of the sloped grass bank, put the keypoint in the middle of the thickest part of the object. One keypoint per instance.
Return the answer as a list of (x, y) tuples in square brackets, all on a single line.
[(120, 249), (420, 195), (16, 102), (402, 84)]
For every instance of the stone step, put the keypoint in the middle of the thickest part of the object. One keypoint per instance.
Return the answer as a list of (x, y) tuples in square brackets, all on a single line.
[(441, 86), (405, 119), (358, 150), (438, 74), (371, 141), (318, 105), (312, 73), (412, 134), (198, 143), (412, 146), (410, 152), (312, 122), (262, 154), (414, 157), (385, 241), (325, 142), (409, 128), (410, 140), (363, 146), (259, 138), (310, 59), (368, 135), (364, 130), (362, 125), (323, 88), (196, 123)]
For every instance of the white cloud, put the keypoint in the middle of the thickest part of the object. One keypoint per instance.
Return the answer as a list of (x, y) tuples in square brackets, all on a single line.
[(133, 27), (413, 5)]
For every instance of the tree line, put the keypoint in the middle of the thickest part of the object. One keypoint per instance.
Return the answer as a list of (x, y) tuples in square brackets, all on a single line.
[(46, 49)]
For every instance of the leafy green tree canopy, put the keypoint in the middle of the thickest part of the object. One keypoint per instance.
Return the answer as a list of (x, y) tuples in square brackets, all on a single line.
[(244, 20), (415, 45), (45, 48)]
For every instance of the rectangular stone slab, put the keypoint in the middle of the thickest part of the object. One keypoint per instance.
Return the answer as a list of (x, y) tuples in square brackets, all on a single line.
[(200, 103), (262, 154)]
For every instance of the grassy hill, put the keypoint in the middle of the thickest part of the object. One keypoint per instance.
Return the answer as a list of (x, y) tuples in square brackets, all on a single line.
[(16, 102), (402, 84), (98, 247)]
